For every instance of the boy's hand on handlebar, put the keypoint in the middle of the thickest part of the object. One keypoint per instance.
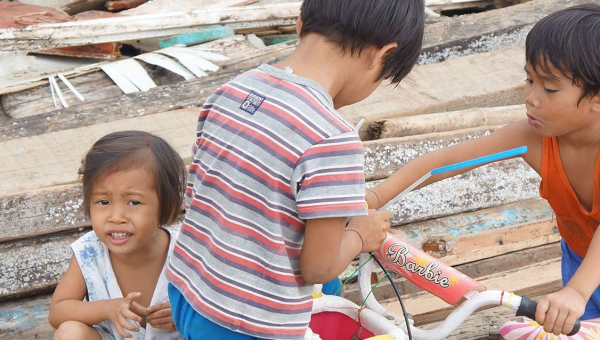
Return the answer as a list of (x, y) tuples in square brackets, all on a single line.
[(557, 312), (373, 228)]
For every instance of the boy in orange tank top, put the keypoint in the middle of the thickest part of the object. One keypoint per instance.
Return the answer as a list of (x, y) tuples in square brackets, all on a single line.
[(562, 132)]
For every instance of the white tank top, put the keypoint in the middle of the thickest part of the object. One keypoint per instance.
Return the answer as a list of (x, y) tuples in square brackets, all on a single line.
[(93, 258)]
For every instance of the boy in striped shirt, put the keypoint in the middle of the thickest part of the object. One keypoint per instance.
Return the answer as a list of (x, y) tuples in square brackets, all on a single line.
[(276, 172)]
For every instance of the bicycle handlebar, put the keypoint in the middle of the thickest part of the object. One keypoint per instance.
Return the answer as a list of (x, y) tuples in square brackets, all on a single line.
[(528, 308)]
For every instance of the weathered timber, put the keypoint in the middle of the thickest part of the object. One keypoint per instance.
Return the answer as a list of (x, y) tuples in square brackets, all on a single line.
[(186, 94), (33, 266), (458, 36), (521, 226), (26, 319), (54, 158), (446, 121), (491, 185), (386, 156), (483, 80), (536, 279), (487, 31), (97, 86), (40, 212), (123, 28), (53, 205), (466, 232), (173, 96)]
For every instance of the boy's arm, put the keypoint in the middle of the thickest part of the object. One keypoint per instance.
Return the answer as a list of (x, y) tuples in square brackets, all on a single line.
[(327, 249), (558, 312), (67, 302), (511, 136)]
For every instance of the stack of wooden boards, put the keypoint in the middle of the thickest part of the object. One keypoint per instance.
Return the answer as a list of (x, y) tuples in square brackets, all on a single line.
[(489, 222)]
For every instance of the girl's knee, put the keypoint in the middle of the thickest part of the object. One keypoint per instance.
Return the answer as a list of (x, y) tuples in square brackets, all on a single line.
[(75, 330)]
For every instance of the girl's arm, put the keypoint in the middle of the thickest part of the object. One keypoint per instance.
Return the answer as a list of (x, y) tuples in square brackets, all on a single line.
[(67, 304), (512, 136)]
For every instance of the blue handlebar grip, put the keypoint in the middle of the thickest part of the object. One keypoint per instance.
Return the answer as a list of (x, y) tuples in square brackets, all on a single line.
[(481, 160)]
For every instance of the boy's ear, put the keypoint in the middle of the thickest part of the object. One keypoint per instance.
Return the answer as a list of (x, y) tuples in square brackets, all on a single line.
[(378, 55), (299, 25), (595, 101)]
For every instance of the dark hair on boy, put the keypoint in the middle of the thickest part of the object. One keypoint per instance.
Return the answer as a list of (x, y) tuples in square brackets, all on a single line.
[(569, 40), (355, 25), (127, 150)]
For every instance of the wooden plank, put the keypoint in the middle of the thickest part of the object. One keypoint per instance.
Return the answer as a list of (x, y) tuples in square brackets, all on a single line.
[(521, 226), (53, 207), (447, 121), (487, 186), (536, 279), (123, 28), (35, 265), (487, 31), (482, 229), (198, 37), (386, 156), (192, 93), (488, 79), (26, 319), (438, 36), (41, 212), (54, 158)]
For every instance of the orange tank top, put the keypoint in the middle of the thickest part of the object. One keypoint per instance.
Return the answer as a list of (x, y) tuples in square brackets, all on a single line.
[(575, 223)]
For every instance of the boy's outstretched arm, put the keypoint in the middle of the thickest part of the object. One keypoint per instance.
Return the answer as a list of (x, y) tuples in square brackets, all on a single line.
[(511, 136), (67, 304), (558, 312), (329, 246)]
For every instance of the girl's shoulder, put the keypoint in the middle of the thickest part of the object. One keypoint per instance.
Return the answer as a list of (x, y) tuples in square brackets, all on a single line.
[(87, 240), (89, 250)]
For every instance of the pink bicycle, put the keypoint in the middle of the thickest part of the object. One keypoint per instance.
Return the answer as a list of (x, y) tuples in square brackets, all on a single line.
[(337, 318)]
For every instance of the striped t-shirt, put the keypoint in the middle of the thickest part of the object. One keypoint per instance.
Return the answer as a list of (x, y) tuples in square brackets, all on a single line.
[(271, 152)]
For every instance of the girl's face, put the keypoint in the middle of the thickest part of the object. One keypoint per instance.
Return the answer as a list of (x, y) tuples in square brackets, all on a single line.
[(125, 211)]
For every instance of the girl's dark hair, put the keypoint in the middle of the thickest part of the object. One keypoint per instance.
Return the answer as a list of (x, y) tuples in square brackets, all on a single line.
[(126, 150), (569, 40), (355, 25)]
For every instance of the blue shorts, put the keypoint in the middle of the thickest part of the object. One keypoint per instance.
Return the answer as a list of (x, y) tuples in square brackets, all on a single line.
[(192, 325), (569, 265)]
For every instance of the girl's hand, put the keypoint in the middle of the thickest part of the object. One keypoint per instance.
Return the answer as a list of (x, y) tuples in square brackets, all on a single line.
[(159, 316), (122, 309), (557, 312)]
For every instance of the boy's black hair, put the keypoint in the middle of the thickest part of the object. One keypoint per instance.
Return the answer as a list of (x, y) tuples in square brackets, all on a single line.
[(355, 25), (127, 150), (569, 40)]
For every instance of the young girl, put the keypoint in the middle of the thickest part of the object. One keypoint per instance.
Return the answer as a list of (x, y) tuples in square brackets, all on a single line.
[(114, 287)]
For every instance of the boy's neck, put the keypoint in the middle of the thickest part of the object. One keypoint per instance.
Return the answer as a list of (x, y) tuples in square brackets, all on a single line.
[(589, 137), (323, 62)]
